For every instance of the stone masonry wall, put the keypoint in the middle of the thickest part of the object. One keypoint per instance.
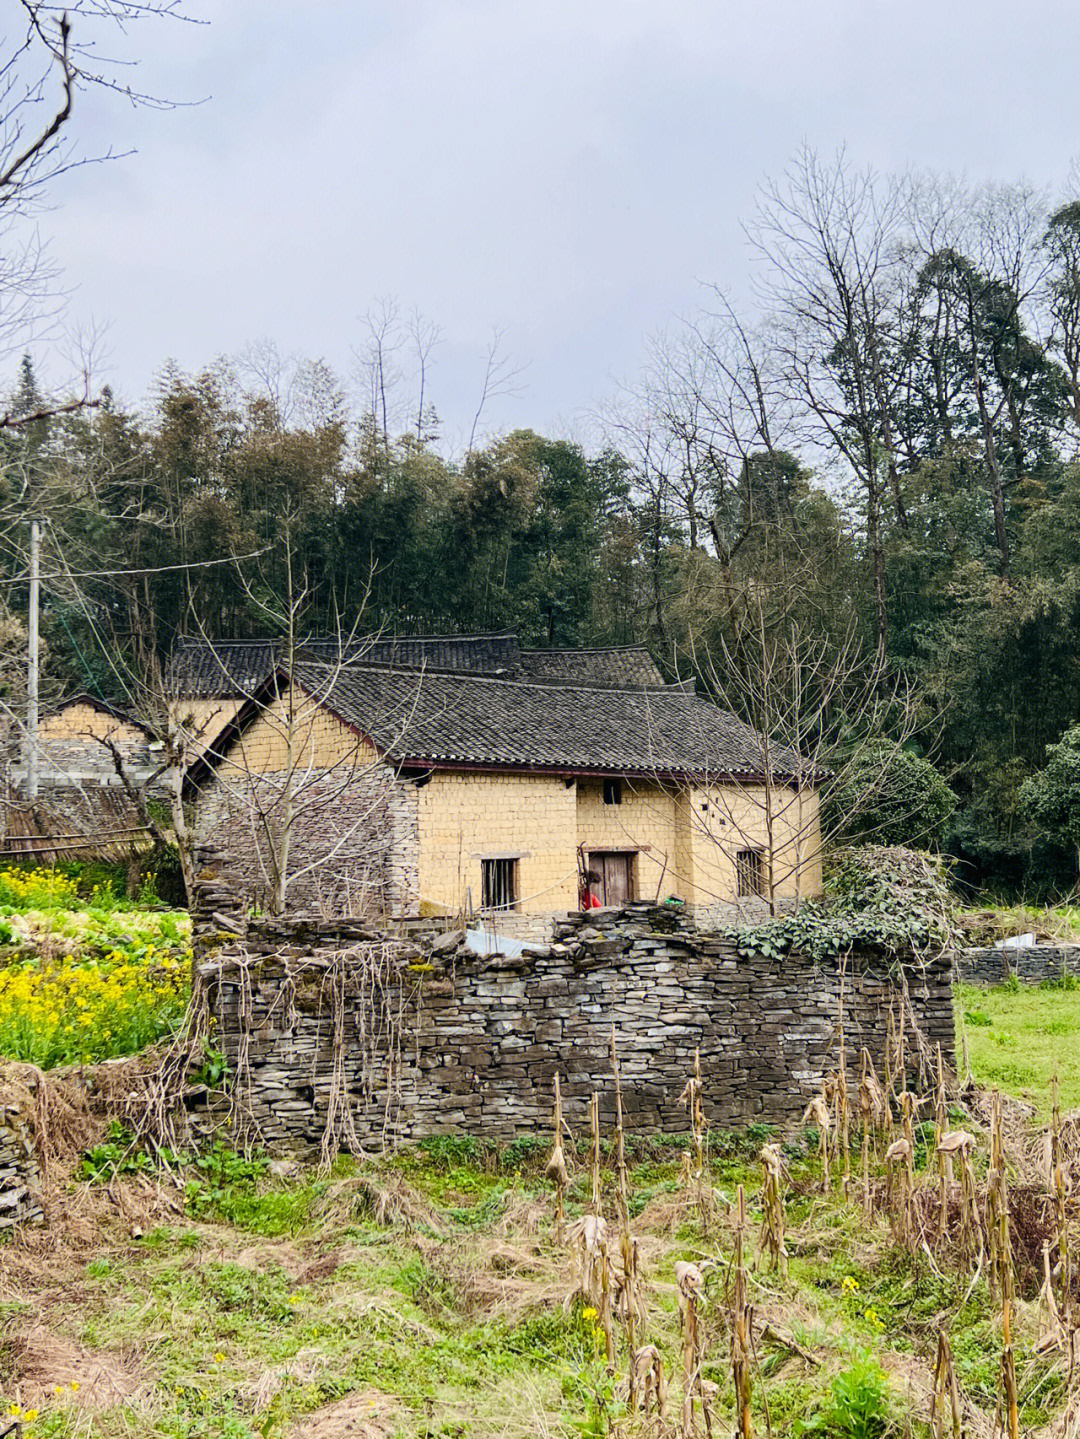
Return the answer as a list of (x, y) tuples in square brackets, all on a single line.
[(481, 1039), (1033, 965), (353, 846), (20, 1173)]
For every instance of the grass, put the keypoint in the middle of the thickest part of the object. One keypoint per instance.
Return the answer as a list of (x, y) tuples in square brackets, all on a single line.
[(1017, 1035), (268, 1303), (997, 921)]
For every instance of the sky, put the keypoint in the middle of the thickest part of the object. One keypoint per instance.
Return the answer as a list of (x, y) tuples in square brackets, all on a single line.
[(568, 174)]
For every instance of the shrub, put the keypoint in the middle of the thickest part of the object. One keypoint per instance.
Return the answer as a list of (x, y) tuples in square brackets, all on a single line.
[(857, 1406), (910, 804)]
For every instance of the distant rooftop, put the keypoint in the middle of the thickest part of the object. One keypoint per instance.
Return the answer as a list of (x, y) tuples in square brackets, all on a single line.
[(204, 669)]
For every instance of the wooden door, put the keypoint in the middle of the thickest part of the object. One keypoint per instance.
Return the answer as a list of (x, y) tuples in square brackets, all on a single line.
[(616, 877)]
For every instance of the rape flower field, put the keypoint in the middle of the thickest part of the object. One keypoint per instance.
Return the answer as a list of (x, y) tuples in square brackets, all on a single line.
[(85, 977)]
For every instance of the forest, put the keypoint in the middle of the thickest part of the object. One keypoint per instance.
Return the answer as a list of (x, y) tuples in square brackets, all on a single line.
[(866, 476)]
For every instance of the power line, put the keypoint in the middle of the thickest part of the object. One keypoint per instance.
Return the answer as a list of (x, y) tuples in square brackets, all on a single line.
[(155, 570)]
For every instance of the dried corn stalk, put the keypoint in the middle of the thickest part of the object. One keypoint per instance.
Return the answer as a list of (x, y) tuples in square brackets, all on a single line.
[(741, 1319), (1060, 1190), (1002, 1274), (817, 1113), (629, 1282), (690, 1284), (695, 1176), (556, 1167), (772, 1204), (648, 1382), (901, 1162), (872, 1117), (944, 1154), (958, 1145), (945, 1389)]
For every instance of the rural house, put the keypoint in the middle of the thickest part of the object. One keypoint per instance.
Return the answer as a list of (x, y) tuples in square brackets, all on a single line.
[(465, 775), (91, 758), (82, 740)]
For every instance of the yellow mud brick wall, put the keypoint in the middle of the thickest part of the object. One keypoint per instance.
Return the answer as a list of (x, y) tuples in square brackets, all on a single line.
[(203, 720), (465, 817), (645, 821), (320, 741), (85, 721), (719, 821)]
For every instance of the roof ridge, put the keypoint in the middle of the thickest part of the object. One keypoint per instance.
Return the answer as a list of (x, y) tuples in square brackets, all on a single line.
[(375, 638), (585, 649), (676, 688)]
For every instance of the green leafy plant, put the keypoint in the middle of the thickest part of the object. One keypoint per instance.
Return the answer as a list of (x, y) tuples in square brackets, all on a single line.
[(215, 1071), (857, 1405), (888, 899), (222, 1173), (119, 1154)]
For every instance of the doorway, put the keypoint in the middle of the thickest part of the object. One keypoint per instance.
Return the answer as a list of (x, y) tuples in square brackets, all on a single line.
[(615, 872)]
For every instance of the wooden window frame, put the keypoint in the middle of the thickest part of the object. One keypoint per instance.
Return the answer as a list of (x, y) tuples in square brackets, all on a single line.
[(499, 885), (751, 876)]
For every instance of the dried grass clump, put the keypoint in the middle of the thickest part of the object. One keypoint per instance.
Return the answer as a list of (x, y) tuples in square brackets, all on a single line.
[(40, 1360), (56, 1110), (363, 1414), (389, 1201)]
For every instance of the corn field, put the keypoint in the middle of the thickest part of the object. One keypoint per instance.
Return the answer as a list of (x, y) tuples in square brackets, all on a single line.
[(965, 1192)]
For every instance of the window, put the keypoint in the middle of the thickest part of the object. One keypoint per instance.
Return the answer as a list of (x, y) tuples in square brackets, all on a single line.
[(613, 791), (750, 873), (499, 883)]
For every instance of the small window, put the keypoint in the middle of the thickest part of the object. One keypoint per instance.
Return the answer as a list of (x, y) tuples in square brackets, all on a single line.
[(750, 873), (613, 791), (499, 887)]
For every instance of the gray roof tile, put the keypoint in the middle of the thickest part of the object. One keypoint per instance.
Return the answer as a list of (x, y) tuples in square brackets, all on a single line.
[(467, 720)]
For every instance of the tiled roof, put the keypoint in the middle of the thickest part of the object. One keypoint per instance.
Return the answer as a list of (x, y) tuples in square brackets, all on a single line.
[(628, 668), (199, 669), (465, 720)]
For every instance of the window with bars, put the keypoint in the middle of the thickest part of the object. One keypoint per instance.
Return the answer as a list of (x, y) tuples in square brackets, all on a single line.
[(613, 791), (750, 874), (499, 883)]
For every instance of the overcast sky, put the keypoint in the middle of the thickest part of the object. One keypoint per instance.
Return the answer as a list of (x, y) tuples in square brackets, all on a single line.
[(566, 171)]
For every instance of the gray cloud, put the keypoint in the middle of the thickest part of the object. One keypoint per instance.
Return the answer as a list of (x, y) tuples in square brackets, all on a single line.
[(567, 171)]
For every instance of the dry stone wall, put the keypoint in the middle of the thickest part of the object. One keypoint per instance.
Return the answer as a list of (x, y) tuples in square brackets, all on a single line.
[(20, 1172), (459, 1044), (1031, 965)]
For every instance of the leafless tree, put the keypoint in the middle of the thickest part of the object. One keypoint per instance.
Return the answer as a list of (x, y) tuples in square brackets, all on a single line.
[(51, 55), (828, 235), (501, 377), (822, 711)]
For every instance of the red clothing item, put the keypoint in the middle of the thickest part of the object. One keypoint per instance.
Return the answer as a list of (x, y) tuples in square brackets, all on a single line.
[(591, 901)]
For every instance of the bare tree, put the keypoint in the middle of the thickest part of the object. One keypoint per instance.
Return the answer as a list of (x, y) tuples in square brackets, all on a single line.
[(501, 377), (828, 234), (821, 712), (52, 56)]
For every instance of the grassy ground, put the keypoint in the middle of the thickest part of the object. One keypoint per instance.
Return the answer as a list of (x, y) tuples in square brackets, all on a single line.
[(1017, 1036), (250, 1305), (426, 1298)]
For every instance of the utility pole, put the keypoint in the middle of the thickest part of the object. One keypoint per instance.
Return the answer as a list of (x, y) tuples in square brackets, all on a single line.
[(33, 661)]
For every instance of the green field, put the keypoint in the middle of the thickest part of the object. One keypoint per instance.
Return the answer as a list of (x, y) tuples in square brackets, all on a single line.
[(1017, 1036)]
